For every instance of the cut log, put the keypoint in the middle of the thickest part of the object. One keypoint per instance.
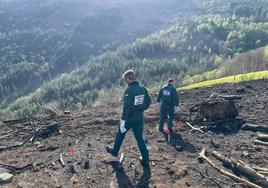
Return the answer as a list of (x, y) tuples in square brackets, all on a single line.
[(258, 142), (255, 128), (226, 173), (263, 137), (243, 169)]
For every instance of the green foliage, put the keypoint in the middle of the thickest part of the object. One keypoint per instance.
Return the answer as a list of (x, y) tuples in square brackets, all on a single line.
[(61, 35), (257, 10), (230, 79), (203, 48), (218, 60), (242, 63), (266, 55), (254, 9)]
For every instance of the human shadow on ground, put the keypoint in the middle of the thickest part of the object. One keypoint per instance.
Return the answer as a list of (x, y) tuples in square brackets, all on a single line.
[(122, 178), (124, 181), (180, 144), (145, 178)]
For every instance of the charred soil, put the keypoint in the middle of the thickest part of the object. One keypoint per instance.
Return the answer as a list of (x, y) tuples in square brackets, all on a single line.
[(82, 135)]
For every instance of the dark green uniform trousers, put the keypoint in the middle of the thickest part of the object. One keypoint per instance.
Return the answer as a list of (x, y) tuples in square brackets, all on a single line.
[(166, 112), (136, 123)]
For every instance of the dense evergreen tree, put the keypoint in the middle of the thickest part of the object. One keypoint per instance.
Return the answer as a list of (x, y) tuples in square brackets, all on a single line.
[(190, 50)]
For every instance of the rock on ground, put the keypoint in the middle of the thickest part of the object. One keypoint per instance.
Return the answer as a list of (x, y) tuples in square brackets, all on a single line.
[(5, 177)]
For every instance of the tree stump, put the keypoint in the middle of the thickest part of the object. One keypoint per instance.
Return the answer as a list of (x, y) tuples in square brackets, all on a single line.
[(218, 108), (218, 113)]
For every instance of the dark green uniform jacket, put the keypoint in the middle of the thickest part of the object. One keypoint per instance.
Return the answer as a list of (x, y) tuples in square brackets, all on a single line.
[(168, 95), (169, 98), (136, 99)]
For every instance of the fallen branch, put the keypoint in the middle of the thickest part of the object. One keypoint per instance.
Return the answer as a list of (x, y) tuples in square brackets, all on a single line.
[(226, 173), (15, 169), (260, 168), (258, 142), (47, 148), (232, 97), (255, 128), (214, 179), (194, 128), (263, 137), (181, 107), (42, 131), (2, 148), (5, 136), (122, 157), (61, 160), (31, 124), (265, 173), (15, 121), (243, 169)]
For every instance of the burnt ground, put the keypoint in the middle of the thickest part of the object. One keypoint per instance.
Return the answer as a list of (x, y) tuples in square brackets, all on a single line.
[(173, 164)]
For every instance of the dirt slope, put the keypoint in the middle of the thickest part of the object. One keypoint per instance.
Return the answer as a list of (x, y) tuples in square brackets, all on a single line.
[(173, 164)]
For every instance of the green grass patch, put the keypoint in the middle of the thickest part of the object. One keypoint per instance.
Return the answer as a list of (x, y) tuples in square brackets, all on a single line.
[(229, 79)]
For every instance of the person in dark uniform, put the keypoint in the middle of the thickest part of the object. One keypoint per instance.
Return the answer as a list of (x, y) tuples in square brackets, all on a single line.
[(168, 102), (136, 100)]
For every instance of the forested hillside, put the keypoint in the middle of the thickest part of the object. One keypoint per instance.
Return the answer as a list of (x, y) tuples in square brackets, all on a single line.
[(191, 50), (254, 9), (42, 39)]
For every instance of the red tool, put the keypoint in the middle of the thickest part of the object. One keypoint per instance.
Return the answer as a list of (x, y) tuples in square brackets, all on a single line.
[(72, 150), (180, 122), (167, 133)]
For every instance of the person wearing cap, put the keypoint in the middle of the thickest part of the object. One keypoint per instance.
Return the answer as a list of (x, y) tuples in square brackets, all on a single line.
[(136, 100), (168, 102)]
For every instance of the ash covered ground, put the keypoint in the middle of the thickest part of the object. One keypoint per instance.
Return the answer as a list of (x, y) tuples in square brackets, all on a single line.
[(173, 164)]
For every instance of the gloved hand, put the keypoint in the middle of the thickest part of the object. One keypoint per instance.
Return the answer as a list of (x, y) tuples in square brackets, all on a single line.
[(122, 126), (177, 109)]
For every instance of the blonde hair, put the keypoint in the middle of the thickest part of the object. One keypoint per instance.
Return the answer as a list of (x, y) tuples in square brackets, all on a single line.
[(130, 74)]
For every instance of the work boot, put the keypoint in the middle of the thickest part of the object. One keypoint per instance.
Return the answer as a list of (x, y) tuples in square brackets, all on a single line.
[(111, 151), (144, 163)]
